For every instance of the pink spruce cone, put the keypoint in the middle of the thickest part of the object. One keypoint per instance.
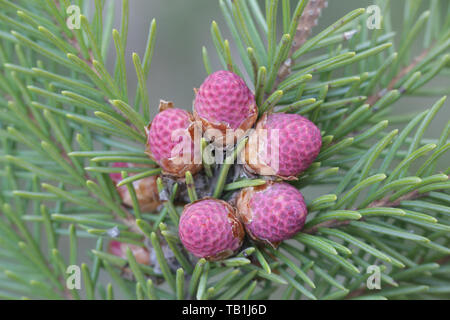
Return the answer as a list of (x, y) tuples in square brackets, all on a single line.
[(119, 249), (209, 229), (146, 190), (299, 143), (170, 141), (271, 213), (226, 104)]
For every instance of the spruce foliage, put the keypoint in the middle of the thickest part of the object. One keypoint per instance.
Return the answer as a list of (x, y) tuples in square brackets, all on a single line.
[(64, 118)]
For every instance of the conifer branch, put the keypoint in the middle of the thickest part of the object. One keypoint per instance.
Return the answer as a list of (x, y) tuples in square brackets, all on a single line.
[(65, 118), (385, 202), (306, 23)]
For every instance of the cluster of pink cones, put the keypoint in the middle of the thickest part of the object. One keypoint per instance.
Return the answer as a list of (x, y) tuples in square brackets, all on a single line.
[(224, 111)]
